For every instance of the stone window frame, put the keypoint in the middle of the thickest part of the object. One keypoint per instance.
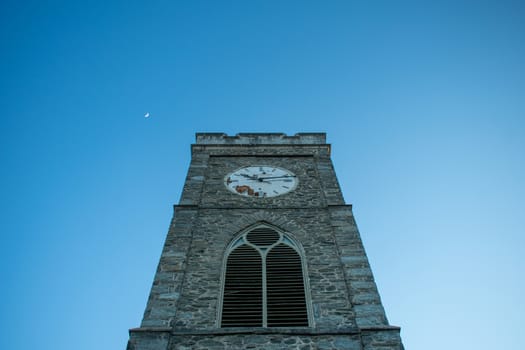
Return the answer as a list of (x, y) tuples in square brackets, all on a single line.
[(289, 240)]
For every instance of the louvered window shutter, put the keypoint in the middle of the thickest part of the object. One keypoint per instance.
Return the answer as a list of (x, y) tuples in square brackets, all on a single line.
[(286, 305), (242, 305), (263, 285)]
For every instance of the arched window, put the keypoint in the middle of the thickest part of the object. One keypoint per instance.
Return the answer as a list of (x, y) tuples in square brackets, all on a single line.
[(263, 282)]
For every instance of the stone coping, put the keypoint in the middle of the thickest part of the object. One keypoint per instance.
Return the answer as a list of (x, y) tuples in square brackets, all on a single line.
[(304, 150)]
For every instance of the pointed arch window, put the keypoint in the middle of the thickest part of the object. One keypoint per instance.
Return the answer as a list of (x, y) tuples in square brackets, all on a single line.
[(264, 284)]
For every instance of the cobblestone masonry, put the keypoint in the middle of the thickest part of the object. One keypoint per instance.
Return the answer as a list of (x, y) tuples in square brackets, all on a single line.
[(182, 310)]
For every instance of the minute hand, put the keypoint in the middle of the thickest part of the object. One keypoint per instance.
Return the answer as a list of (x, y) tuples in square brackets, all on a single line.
[(276, 177)]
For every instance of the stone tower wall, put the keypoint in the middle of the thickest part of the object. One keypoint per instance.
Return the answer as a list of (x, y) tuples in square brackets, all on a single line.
[(182, 311)]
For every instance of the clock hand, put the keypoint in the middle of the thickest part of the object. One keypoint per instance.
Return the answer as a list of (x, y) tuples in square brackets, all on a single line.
[(276, 177), (254, 177)]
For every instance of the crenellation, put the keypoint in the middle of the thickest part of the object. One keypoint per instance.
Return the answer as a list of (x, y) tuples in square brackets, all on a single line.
[(260, 139)]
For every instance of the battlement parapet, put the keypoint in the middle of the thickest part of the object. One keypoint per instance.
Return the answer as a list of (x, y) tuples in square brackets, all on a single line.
[(318, 138)]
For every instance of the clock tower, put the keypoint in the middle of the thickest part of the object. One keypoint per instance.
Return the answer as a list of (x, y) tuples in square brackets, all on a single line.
[(263, 253)]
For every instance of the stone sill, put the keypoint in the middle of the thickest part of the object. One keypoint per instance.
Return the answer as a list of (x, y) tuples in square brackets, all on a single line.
[(196, 206), (257, 330)]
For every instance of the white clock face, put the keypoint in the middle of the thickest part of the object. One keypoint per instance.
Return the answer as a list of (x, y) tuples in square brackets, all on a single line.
[(261, 181)]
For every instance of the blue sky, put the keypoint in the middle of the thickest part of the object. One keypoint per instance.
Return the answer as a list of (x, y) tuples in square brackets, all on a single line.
[(423, 103)]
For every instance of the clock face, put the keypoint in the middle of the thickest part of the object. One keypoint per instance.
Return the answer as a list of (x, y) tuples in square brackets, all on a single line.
[(261, 181)]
